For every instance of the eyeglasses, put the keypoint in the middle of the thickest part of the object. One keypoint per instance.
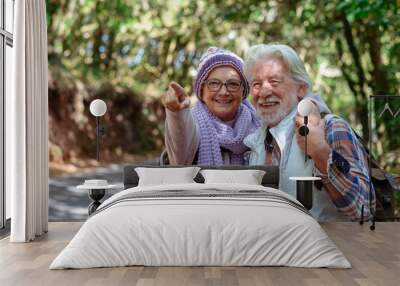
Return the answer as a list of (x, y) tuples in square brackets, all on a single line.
[(216, 84)]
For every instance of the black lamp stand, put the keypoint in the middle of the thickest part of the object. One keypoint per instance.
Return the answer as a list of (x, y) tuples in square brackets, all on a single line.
[(100, 131), (95, 195), (303, 130)]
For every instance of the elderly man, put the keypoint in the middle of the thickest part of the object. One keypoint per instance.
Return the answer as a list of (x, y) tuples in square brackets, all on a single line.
[(278, 81)]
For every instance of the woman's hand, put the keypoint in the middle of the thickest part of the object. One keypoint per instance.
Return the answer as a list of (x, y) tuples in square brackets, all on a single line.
[(175, 99)]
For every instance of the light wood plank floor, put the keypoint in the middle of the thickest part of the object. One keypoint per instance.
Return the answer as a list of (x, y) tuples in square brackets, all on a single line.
[(375, 257)]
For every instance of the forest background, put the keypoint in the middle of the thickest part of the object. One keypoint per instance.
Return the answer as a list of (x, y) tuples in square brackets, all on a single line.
[(126, 53)]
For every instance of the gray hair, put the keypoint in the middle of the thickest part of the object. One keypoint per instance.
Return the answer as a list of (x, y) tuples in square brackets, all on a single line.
[(286, 54)]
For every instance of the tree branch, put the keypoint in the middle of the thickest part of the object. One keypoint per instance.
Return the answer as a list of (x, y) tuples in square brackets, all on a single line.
[(348, 35)]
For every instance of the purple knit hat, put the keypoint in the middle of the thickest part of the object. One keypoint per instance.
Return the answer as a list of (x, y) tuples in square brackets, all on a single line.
[(213, 58)]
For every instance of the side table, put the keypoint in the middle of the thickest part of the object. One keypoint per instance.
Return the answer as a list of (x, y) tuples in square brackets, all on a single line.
[(304, 190), (96, 191)]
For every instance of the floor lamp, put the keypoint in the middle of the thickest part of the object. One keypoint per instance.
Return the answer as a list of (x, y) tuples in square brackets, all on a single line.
[(98, 108), (304, 185)]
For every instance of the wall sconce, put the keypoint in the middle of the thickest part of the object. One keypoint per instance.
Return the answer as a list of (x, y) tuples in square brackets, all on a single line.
[(98, 108), (304, 108)]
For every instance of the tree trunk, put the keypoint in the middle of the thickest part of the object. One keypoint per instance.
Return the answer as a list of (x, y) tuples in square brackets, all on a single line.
[(361, 95)]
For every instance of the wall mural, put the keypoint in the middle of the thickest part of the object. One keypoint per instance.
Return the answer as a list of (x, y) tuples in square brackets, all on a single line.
[(139, 56)]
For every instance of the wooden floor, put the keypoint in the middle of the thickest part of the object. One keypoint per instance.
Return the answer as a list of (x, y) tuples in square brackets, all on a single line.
[(375, 257)]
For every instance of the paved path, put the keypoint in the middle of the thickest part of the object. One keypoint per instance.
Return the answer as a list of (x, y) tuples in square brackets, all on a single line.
[(67, 203)]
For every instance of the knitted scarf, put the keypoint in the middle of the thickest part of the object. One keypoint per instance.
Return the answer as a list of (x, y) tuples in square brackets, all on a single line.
[(215, 134)]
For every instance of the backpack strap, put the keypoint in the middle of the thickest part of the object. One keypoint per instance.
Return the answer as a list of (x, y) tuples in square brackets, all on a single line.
[(377, 172)]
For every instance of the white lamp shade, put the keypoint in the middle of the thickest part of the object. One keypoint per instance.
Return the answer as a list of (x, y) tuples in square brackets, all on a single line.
[(98, 107), (305, 107)]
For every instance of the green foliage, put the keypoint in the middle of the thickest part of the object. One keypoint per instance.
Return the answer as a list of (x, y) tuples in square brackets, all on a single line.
[(351, 48)]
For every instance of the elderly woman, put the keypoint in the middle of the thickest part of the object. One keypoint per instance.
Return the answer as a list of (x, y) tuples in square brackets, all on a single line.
[(212, 132)]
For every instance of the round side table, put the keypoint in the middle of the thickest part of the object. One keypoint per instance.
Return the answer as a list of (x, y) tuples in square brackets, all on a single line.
[(96, 193), (304, 190)]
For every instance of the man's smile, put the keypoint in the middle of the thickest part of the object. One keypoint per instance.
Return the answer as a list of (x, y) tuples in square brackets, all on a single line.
[(268, 103)]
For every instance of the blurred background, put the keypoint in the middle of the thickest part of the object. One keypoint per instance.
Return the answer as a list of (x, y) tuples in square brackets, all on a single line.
[(126, 53)]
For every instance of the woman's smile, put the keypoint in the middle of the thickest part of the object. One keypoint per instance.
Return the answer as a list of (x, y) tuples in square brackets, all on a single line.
[(222, 101)]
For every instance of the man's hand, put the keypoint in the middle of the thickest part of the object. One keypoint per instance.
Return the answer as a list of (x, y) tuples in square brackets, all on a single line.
[(317, 147), (175, 98)]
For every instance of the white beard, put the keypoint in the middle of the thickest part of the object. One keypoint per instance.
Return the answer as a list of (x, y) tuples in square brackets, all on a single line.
[(273, 119)]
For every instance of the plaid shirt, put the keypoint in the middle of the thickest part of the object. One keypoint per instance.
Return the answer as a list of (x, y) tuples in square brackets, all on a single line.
[(346, 179)]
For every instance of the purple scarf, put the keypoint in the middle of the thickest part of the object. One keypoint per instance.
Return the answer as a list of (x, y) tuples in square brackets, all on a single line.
[(214, 134)]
